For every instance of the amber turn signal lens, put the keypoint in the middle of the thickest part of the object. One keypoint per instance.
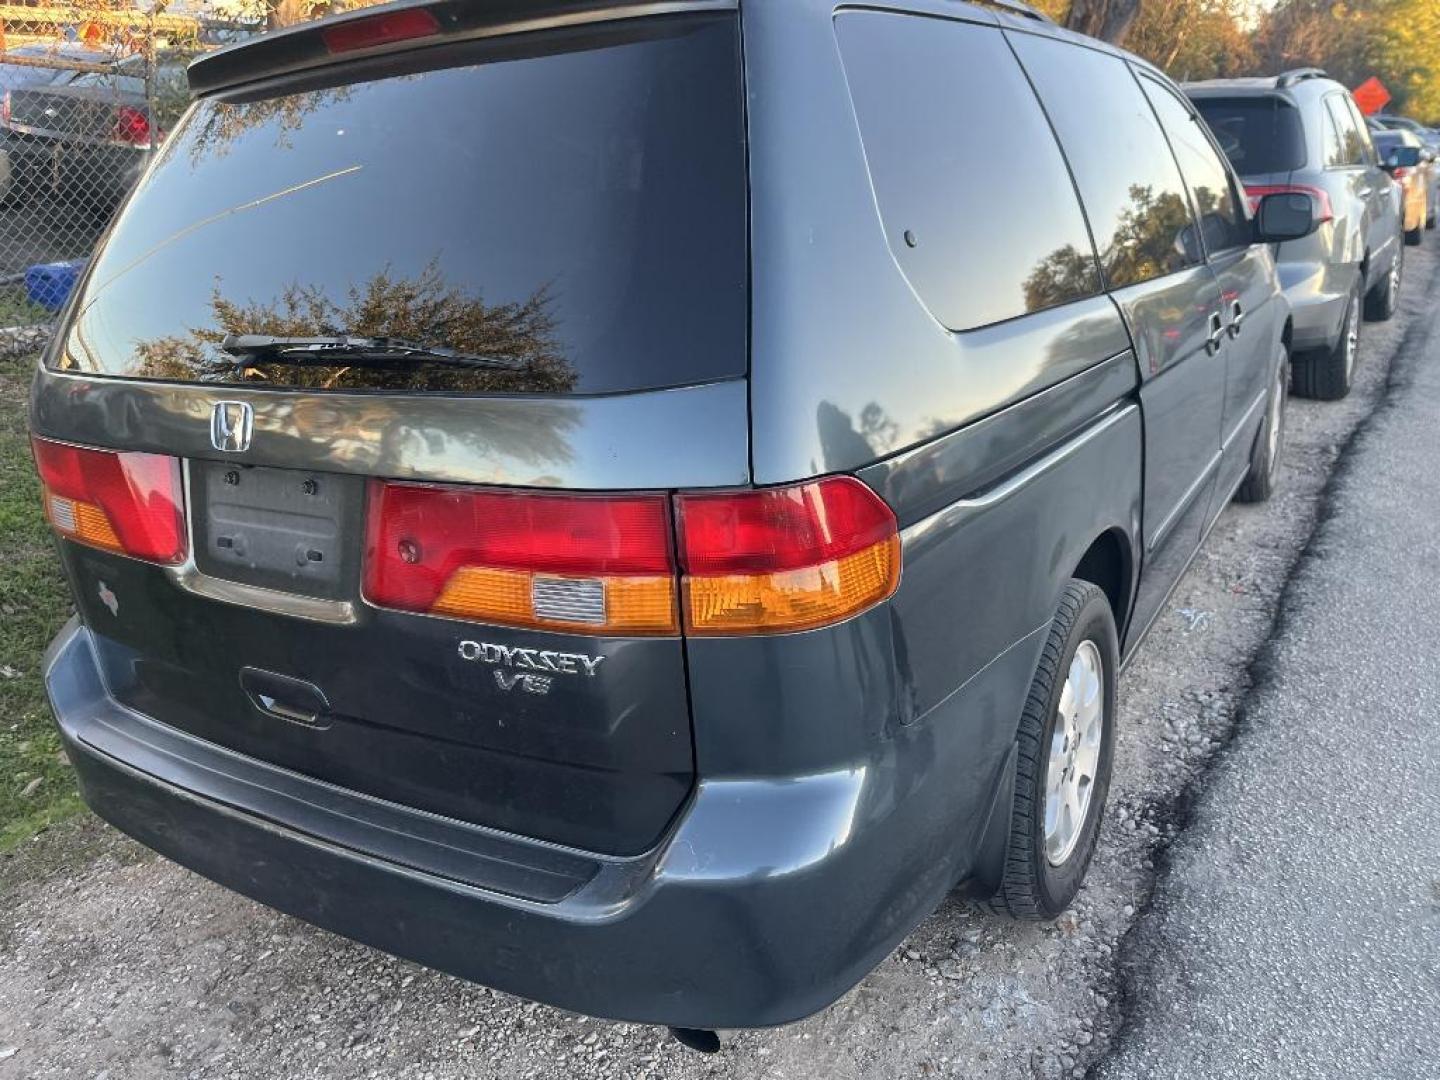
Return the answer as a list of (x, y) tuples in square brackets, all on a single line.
[(618, 605), (786, 559), (790, 600)]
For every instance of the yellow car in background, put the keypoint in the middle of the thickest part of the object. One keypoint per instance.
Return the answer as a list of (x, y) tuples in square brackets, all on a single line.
[(1412, 165)]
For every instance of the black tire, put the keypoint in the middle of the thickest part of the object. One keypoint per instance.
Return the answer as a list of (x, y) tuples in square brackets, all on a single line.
[(1259, 482), (1383, 300), (1326, 375), (1033, 887), (1413, 237)]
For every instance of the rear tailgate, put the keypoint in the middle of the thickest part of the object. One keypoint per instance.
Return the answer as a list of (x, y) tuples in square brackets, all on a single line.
[(566, 208)]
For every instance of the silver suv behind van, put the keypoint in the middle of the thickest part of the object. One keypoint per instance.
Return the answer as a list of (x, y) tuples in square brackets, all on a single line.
[(1301, 131)]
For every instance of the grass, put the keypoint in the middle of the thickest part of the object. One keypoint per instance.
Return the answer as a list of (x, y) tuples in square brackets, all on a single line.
[(37, 788), (17, 310)]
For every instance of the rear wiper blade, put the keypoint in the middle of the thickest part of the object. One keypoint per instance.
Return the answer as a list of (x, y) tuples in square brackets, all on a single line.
[(351, 350)]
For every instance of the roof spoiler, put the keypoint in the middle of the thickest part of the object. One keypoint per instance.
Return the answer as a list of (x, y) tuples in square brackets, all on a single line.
[(1016, 7), (408, 24), (1290, 78)]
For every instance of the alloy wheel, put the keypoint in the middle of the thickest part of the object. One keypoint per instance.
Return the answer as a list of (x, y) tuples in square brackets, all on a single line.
[(1275, 434), (1074, 760), (1352, 336)]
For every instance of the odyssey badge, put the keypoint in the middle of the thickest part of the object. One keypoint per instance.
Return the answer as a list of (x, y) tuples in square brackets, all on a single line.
[(531, 669)]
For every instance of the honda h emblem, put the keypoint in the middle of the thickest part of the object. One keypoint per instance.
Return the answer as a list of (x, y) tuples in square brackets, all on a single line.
[(230, 426)]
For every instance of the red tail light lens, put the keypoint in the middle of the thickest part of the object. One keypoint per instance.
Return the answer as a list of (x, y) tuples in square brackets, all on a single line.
[(771, 561), (786, 559), (1255, 192), (380, 30), (596, 564), (129, 503), (132, 126)]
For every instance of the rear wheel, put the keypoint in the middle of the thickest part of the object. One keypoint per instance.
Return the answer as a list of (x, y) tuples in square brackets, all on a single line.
[(1259, 482), (1065, 750), (1327, 374), (1384, 298), (1414, 236)]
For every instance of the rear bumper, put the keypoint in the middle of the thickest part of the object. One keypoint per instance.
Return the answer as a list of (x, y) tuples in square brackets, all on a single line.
[(767, 900), (1317, 292)]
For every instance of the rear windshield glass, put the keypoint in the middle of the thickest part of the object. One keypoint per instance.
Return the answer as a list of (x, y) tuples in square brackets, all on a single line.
[(1258, 134), (572, 219)]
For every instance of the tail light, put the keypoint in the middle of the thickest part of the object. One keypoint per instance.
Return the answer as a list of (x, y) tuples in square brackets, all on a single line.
[(595, 564), (130, 503), (785, 559), (1401, 172), (132, 126), (767, 561), (1255, 192)]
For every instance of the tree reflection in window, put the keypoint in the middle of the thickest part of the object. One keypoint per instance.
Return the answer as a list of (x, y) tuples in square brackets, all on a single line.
[(1154, 236), (424, 310), (214, 130)]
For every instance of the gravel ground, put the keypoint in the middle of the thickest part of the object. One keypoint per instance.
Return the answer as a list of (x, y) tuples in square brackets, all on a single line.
[(1296, 928), (122, 965)]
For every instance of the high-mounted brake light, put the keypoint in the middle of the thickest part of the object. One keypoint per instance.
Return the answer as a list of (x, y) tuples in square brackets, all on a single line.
[(366, 33), (589, 563), (125, 502), (785, 559), (1255, 192)]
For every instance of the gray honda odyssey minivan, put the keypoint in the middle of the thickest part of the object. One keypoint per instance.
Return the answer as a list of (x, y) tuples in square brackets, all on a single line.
[(634, 503)]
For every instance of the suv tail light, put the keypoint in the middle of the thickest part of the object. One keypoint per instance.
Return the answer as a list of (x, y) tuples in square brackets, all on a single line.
[(596, 564), (785, 559), (130, 503), (766, 561), (132, 126), (1255, 192)]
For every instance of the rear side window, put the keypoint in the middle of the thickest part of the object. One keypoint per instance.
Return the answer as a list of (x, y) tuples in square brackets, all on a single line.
[(1362, 131), (973, 192), (1128, 180), (572, 204), (1334, 149), (1222, 221), (1354, 147), (1258, 134)]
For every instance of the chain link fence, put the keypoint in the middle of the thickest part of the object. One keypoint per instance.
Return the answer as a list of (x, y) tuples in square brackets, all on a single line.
[(89, 94)]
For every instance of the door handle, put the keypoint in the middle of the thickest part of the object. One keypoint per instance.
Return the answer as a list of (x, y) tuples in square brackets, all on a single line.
[(1217, 334), (1237, 317)]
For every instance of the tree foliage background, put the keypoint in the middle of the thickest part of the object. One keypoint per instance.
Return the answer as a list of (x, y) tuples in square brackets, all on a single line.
[(1397, 40)]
